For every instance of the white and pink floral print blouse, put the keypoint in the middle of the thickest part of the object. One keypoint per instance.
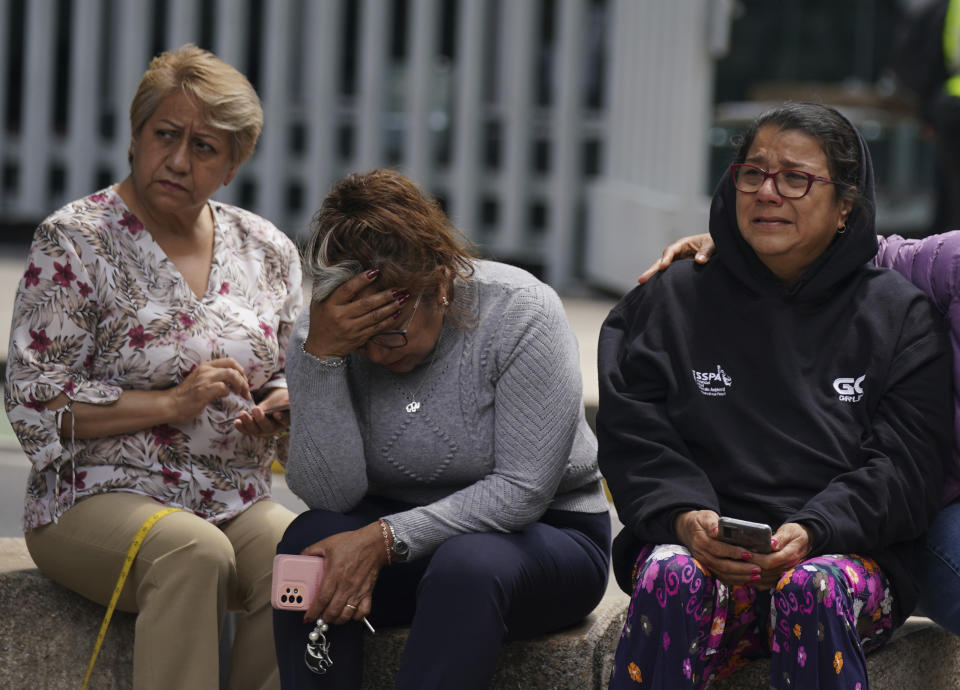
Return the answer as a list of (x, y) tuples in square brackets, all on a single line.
[(100, 309)]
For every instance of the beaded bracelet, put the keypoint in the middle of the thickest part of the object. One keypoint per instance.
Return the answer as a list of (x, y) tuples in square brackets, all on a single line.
[(386, 531), (331, 362)]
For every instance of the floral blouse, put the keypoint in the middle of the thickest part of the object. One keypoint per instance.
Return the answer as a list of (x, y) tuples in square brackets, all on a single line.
[(101, 309)]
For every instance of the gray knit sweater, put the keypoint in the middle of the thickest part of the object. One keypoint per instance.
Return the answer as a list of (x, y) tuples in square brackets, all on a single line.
[(501, 435)]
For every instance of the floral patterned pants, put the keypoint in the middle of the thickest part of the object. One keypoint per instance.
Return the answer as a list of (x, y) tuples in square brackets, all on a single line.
[(685, 629)]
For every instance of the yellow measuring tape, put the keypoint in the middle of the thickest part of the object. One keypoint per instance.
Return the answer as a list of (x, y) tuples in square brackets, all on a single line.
[(127, 564)]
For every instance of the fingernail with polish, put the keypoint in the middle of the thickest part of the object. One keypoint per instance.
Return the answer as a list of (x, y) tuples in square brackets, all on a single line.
[(403, 298), (373, 273), (774, 543), (745, 556), (755, 576)]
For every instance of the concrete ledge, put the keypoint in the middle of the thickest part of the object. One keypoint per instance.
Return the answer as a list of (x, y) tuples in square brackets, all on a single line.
[(47, 634), (579, 658)]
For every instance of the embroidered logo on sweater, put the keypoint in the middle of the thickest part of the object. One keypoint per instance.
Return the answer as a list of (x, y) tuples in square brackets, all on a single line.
[(713, 383), (849, 389)]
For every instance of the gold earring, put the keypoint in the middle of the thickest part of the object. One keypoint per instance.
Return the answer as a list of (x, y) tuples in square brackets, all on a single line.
[(444, 301)]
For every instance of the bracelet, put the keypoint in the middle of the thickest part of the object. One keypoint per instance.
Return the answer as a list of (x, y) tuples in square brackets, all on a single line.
[(332, 362), (387, 533)]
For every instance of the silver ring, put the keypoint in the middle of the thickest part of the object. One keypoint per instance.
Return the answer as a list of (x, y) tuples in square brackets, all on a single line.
[(351, 606)]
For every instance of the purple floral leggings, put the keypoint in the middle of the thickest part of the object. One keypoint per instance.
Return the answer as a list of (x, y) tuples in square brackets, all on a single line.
[(685, 629)]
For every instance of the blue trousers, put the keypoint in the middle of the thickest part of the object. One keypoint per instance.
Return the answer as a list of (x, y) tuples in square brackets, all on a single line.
[(940, 570), (461, 603)]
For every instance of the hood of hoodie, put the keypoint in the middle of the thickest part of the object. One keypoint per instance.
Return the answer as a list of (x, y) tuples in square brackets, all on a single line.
[(846, 254)]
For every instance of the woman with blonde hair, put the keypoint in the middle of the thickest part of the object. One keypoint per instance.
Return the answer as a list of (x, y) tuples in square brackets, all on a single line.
[(147, 343)]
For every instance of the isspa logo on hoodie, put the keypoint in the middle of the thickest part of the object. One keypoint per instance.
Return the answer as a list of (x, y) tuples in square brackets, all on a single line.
[(713, 383), (849, 389)]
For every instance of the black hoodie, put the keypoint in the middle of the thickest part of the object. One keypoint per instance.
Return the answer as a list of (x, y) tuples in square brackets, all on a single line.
[(827, 403)]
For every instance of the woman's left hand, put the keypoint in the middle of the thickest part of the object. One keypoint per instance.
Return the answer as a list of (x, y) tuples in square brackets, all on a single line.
[(352, 562), (260, 421), (793, 546)]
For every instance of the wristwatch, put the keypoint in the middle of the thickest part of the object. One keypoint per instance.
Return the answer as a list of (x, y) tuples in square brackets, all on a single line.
[(399, 549)]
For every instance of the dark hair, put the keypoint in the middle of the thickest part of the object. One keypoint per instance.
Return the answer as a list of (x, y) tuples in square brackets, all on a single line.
[(381, 219), (837, 138)]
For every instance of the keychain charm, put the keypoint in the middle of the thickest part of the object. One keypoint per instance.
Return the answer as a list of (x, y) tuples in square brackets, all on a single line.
[(317, 655)]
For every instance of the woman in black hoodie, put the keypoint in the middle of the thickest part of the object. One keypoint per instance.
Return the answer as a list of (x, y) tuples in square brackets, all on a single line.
[(786, 382)]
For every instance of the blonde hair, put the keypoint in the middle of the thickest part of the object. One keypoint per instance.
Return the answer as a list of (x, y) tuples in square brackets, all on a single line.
[(225, 97)]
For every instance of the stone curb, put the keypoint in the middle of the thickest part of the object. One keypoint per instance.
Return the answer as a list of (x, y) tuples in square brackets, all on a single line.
[(47, 634), (575, 659)]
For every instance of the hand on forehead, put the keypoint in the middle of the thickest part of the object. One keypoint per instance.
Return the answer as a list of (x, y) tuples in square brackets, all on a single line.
[(376, 287)]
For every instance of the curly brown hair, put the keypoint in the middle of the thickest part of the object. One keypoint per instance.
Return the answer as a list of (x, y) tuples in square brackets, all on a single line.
[(382, 219)]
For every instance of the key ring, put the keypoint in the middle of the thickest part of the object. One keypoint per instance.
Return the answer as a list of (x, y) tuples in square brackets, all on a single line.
[(317, 655)]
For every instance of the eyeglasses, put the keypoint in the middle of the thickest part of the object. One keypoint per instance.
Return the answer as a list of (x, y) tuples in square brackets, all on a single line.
[(790, 184), (395, 339)]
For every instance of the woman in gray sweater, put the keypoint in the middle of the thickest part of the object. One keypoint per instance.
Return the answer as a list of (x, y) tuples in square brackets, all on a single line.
[(437, 428)]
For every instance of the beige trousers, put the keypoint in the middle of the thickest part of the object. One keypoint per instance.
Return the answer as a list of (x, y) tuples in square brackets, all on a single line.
[(187, 575)]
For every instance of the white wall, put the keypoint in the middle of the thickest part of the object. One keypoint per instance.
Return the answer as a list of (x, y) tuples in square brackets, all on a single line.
[(471, 127)]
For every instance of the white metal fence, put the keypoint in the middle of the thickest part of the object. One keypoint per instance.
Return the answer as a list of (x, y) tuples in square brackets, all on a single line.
[(507, 110)]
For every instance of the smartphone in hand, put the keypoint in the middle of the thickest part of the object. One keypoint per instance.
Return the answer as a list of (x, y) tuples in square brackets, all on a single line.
[(754, 536), (296, 580), (268, 411), (277, 408)]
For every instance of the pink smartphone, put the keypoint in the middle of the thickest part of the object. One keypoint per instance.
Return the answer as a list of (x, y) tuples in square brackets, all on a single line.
[(296, 580)]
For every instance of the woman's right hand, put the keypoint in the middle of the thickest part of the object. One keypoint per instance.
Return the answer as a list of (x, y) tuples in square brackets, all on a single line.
[(208, 381), (700, 247), (353, 561), (135, 409), (351, 315), (697, 530)]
